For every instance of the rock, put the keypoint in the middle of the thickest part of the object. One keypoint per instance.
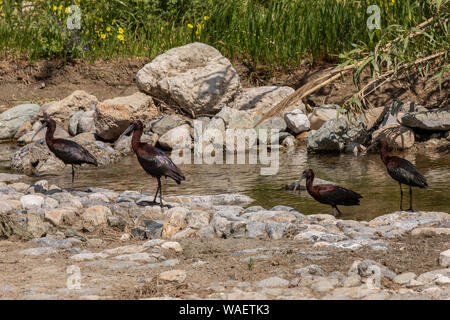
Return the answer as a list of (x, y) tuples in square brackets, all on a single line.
[(38, 251), (323, 286), (175, 221), (12, 119), (430, 231), (73, 122), (260, 100), (444, 258), (166, 123), (395, 111), (31, 201), (222, 227), (23, 130), (404, 278), (177, 138), (197, 219), (397, 136), (273, 282), (30, 136), (173, 275), (88, 256), (322, 114), (35, 225), (275, 230), (297, 121), (353, 280), (86, 122), (434, 120), (312, 269), (84, 138), (123, 145), (374, 116), (11, 178), (256, 230), (335, 134), (62, 110), (139, 233), (95, 216), (195, 77), (154, 228), (172, 245), (113, 116), (364, 265), (55, 216), (50, 242)]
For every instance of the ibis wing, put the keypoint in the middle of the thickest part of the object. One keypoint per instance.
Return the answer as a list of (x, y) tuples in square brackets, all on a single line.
[(160, 162), (71, 152), (335, 195), (405, 172)]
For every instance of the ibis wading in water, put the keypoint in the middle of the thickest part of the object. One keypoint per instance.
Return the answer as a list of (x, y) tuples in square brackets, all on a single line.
[(330, 194), (402, 171), (153, 160), (67, 151)]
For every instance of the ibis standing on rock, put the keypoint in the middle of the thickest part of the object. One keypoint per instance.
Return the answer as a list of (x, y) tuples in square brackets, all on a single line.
[(67, 151), (153, 160), (401, 170), (330, 194)]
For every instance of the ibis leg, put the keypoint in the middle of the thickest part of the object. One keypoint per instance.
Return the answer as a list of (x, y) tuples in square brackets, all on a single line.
[(160, 192), (410, 199), (401, 197), (156, 194), (339, 211), (73, 175)]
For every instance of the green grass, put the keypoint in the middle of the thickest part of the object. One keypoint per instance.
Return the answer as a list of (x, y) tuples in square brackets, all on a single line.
[(273, 33)]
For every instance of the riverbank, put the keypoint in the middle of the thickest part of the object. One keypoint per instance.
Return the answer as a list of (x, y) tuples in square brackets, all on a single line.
[(210, 247)]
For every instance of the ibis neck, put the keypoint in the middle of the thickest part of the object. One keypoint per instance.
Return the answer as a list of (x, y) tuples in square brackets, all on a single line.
[(309, 183), (49, 135), (136, 138), (384, 154)]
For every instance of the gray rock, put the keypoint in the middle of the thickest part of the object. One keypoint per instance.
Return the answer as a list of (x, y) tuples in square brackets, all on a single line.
[(153, 228), (404, 278), (275, 230), (434, 120), (86, 123), (38, 251), (139, 233), (365, 264), (273, 282), (444, 258), (176, 138), (73, 122), (312, 269), (166, 123), (335, 134), (297, 121), (256, 230), (12, 119), (195, 77), (50, 242)]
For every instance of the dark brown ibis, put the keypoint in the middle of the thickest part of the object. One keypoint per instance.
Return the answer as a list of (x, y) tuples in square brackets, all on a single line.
[(67, 151), (402, 171), (330, 194), (153, 160)]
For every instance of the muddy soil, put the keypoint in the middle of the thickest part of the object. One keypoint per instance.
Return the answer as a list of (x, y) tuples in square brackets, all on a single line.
[(46, 80), (206, 262)]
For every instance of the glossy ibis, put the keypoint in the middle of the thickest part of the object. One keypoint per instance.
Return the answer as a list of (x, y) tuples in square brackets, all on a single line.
[(153, 160), (402, 171), (67, 151), (330, 194)]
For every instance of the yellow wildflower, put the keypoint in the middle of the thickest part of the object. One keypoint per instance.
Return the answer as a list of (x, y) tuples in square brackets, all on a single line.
[(2, 14), (60, 8), (205, 18), (103, 36), (190, 26), (120, 37), (120, 30), (67, 10), (108, 29), (55, 8), (100, 19)]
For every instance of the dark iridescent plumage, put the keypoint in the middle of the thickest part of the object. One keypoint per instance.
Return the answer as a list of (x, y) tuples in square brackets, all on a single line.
[(67, 151), (153, 160), (330, 194), (402, 171)]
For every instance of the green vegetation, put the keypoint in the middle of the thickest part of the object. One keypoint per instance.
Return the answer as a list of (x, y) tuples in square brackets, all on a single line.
[(274, 33)]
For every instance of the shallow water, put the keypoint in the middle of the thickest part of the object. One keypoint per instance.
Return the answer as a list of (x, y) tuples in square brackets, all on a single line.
[(364, 174)]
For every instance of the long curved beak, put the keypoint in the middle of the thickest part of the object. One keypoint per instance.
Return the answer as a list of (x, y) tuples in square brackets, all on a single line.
[(297, 183), (39, 130), (127, 131)]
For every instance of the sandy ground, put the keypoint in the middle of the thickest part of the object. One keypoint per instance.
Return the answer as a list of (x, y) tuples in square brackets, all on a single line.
[(206, 262)]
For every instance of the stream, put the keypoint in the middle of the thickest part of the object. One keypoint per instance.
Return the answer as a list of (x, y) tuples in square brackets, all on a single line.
[(363, 174)]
